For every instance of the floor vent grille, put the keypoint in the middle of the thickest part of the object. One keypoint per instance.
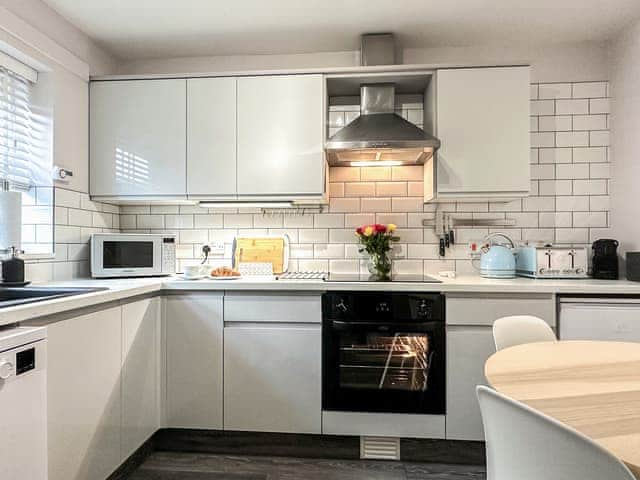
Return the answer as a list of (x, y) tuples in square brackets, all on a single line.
[(379, 448)]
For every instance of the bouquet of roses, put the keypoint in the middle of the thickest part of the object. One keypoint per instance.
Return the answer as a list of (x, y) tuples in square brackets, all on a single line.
[(377, 241)]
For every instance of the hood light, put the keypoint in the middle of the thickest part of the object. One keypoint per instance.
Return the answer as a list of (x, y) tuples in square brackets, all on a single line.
[(377, 163)]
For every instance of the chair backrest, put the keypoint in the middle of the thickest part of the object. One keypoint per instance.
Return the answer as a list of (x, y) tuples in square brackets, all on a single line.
[(519, 329), (524, 444)]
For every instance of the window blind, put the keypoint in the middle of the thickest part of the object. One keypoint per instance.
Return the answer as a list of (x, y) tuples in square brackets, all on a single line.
[(20, 139)]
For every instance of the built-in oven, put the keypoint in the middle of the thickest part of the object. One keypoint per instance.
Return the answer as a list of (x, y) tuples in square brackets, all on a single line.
[(132, 255), (384, 352)]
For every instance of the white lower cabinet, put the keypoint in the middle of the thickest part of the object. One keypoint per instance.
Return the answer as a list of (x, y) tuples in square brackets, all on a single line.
[(140, 373), (272, 377), (193, 330), (468, 348), (470, 343), (84, 396)]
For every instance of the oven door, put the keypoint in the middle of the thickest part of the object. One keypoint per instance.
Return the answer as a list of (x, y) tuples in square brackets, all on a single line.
[(126, 256), (384, 367)]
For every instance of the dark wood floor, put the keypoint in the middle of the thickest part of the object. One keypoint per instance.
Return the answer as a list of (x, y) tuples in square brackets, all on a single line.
[(199, 466)]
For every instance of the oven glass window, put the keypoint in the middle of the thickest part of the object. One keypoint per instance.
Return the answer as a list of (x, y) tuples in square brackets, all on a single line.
[(127, 254), (379, 361)]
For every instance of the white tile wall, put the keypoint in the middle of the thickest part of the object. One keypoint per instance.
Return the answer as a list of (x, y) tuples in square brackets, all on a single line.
[(569, 202), (75, 218)]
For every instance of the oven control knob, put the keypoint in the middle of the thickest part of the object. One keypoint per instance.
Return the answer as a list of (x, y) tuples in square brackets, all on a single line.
[(383, 307), (340, 306), (424, 309)]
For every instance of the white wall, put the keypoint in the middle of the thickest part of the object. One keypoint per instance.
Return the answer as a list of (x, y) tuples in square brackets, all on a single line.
[(625, 117), (68, 57), (552, 63), (47, 21)]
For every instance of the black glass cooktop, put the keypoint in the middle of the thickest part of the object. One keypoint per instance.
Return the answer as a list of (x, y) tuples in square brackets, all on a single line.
[(409, 278)]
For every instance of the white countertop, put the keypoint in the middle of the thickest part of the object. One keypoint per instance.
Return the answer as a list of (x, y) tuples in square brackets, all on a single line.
[(119, 289)]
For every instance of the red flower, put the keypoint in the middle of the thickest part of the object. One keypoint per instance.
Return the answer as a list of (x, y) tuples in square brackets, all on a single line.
[(379, 228), (359, 230)]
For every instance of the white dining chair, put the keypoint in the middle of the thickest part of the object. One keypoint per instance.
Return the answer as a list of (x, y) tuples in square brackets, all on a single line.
[(525, 444), (519, 329)]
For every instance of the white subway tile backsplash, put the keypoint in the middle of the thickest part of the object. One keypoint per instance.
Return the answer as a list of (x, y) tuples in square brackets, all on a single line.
[(538, 204), (590, 155), (406, 204), (590, 219), (543, 140), (376, 205), (555, 155), (391, 189), (572, 204), (360, 189), (150, 221), (186, 221), (375, 174), (554, 90), (408, 172), (344, 174), (590, 89), (344, 205), (543, 172), (600, 170), (572, 235), (336, 189), (555, 123), (599, 105), (572, 107), (572, 170), (543, 107), (589, 187), (590, 122), (599, 138), (572, 139), (555, 187)]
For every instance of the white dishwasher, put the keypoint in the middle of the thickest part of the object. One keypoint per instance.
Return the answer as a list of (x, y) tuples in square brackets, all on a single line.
[(23, 403), (606, 319)]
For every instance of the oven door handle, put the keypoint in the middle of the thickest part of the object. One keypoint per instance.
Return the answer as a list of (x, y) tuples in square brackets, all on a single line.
[(419, 327)]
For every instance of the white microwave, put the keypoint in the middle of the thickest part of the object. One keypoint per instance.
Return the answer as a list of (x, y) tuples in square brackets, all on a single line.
[(132, 255)]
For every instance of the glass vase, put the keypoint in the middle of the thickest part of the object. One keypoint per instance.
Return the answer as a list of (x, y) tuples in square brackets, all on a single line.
[(380, 267)]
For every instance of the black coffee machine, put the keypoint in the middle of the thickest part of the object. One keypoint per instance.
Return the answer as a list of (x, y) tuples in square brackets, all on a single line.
[(605, 259)]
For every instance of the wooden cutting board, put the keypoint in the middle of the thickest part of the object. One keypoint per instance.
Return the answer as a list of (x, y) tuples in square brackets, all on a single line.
[(271, 250)]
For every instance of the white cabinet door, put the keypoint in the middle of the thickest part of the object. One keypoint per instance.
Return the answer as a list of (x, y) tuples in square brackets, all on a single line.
[(84, 396), (138, 138), (483, 124), (211, 136), (272, 378), (140, 373), (468, 348), (603, 319), (280, 135), (193, 330)]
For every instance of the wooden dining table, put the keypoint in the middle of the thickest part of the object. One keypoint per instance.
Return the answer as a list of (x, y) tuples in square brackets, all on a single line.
[(593, 387)]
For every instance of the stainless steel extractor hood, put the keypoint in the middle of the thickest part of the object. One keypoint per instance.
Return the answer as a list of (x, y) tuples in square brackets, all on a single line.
[(379, 134)]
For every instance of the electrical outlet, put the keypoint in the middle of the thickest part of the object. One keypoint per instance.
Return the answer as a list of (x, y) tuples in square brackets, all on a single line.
[(217, 249)]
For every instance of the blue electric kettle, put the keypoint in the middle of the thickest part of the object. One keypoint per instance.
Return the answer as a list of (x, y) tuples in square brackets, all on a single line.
[(497, 260)]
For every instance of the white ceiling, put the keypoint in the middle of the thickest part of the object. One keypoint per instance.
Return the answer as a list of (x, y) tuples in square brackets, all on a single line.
[(136, 29)]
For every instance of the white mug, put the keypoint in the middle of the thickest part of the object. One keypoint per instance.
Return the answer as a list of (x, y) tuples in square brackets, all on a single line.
[(192, 271)]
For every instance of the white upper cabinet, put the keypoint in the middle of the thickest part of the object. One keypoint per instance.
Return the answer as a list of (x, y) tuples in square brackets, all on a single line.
[(138, 138), (211, 136), (482, 120), (280, 135)]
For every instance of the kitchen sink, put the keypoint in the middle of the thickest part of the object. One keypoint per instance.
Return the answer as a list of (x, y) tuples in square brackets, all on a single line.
[(10, 297)]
